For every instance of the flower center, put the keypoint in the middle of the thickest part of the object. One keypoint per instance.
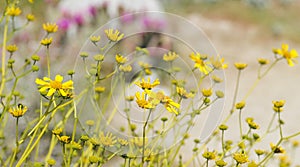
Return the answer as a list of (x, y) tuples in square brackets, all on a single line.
[(55, 85)]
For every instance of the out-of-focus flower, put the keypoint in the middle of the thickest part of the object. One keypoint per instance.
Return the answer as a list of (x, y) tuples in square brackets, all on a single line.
[(114, 35), (13, 11)]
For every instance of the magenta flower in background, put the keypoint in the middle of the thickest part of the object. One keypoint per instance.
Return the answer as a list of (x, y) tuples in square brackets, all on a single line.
[(126, 18), (78, 19), (64, 24), (93, 11), (153, 23)]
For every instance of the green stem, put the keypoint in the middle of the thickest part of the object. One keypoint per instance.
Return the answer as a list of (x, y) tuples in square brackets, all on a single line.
[(240, 123), (144, 135)]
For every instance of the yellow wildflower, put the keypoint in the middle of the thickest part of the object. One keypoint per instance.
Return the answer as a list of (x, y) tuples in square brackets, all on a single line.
[(240, 105), (19, 111), (12, 48), (121, 59), (209, 155), (240, 66), (207, 92), (52, 86), (75, 146), (95, 39), (276, 149), (259, 152), (170, 56), (64, 139), (99, 89), (138, 141), (183, 93), (46, 41), (278, 105), (142, 50), (57, 131), (218, 63), (13, 11), (146, 67), (240, 158), (263, 61), (289, 55), (127, 68), (216, 79), (140, 100), (30, 17), (108, 139), (50, 27), (114, 35), (122, 142), (221, 163), (51, 162), (129, 98), (160, 97), (200, 63), (146, 85)]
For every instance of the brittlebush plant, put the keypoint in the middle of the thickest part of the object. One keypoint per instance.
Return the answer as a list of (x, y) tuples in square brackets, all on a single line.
[(93, 145)]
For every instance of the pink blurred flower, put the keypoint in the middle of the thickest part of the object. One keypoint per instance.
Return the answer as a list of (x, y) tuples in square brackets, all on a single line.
[(93, 11), (153, 24), (78, 19), (64, 24)]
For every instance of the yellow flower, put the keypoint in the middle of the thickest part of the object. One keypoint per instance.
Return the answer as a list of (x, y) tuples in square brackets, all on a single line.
[(75, 146), (19, 111), (52, 86), (207, 92), (142, 102), (259, 152), (183, 93), (108, 139), (240, 158), (221, 163), (263, 61), (30, 17), (147, 85), (57, 131), (288, 55), (30, 1), (129, 98), (209, 155), (170, 56), (12, 48), (218, 63), (64, 139), (138, 141), (146, 67), (240, 66), (51, 162), (13, 11), (200, 63), (99, 89), (122, 142), (95, 39), (240, 105), (121, 59), (160, 97), (50, 27), (142, 50), (276, 149), (252, 124), (114, 35), (46, 41), (278, 105), (127, 68)]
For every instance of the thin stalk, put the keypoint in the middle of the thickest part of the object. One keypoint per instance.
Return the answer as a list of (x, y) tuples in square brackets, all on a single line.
[(144, 135)]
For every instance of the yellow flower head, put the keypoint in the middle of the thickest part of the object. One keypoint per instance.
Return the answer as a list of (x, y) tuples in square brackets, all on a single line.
[(64, 139), (19, 111), (183, 93), (218, 63), (207, 92), (263, 61), (127, 68), (240, 105), (121, 59), (30, 17), (75, 146), (200, 63), (108, 139), (221, 163), (57, 131), (138, 141), (142, 50), (160, 97), (170, 56), (122, 142), (50, 27), (146, 85), (52, 86), (209, 155), (142, 102), (278, 105), (95, 39), (99, 89), (12, 48), (240, 66), (240, 158), (276, 149), (113, 35), (289, 55), (46, 41), (13, 11), (216, 79), (146, 67)]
